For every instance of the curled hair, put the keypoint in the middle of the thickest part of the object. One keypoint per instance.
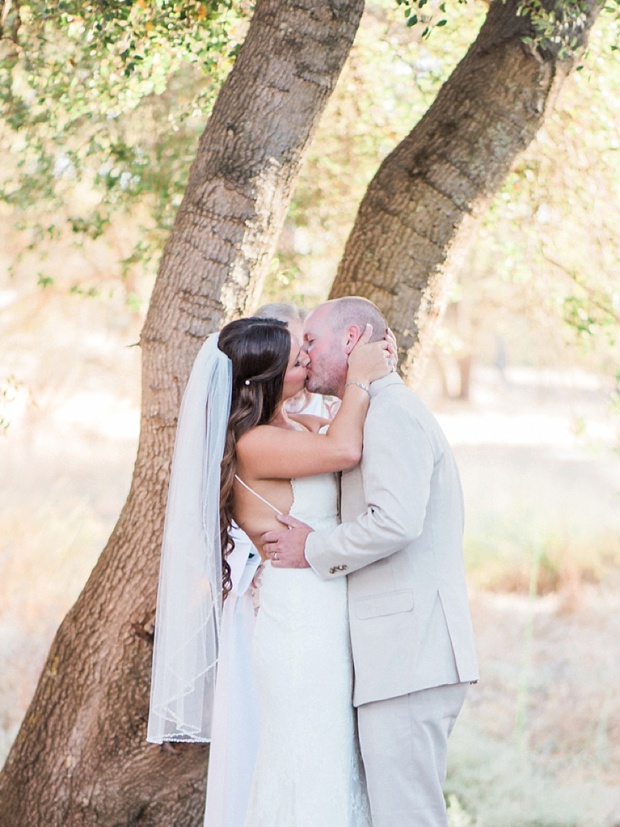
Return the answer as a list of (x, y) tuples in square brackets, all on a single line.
[(259, 350)]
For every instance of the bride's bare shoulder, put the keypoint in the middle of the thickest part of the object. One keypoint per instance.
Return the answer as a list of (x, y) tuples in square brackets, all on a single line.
[(310, 422)]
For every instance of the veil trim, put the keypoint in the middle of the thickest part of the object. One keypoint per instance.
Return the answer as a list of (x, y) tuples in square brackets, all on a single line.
[(189, 599)]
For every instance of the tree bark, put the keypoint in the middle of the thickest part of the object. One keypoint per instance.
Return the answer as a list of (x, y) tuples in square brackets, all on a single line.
[(81, 757), (420, 209)]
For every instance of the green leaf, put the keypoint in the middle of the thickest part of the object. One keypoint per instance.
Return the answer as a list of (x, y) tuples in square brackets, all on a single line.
[(44, 281)]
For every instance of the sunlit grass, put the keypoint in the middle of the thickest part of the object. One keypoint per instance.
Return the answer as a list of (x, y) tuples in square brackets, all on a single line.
[(537, 742), (494, 783), (46, 554), (503, 561)]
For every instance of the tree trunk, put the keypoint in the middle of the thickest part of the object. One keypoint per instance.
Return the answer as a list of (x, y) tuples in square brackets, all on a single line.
[(81, 757), (421, 207)]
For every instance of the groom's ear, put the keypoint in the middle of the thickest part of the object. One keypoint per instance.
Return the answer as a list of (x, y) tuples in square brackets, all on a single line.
[(351, 337)]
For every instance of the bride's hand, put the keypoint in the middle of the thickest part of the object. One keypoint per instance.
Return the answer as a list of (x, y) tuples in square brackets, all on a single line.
[(390, 338), (369, 361)]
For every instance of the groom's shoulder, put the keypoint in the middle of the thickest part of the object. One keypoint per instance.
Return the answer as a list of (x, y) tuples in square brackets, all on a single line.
[(396, 395), (396, 403)]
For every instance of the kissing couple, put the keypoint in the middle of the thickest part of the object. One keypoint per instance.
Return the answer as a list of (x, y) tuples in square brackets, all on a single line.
[(362, 648)]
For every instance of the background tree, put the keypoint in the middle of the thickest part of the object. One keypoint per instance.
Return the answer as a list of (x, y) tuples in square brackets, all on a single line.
[(217, 255)]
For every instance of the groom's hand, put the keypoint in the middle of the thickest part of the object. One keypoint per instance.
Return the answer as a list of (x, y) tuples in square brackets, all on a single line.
[(286, 548)]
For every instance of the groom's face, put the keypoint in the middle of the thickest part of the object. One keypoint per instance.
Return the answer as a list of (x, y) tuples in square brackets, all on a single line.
[(326, 349)]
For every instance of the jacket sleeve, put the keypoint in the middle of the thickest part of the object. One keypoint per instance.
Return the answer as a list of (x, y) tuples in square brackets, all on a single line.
[(397, 467)]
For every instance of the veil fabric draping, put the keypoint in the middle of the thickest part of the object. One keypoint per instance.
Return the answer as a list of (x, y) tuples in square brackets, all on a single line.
[(189, 600)]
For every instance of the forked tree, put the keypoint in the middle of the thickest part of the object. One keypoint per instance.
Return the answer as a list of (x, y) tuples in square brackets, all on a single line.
[(81, 757)]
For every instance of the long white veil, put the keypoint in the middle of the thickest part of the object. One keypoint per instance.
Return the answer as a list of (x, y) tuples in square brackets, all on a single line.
[(189, 601)]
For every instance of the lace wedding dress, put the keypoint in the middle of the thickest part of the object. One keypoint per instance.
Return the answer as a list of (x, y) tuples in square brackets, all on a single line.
[(308, 770)]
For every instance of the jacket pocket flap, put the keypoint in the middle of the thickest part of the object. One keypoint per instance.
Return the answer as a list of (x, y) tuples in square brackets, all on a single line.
[(384, 604)]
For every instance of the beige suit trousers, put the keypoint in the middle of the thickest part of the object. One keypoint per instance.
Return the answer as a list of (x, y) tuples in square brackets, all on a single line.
[(404, 744)]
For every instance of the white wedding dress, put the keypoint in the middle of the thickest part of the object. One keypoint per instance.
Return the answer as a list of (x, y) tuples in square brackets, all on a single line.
[(308, 769)]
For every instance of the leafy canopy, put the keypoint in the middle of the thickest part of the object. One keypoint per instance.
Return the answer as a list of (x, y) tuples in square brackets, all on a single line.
[(97, 94)]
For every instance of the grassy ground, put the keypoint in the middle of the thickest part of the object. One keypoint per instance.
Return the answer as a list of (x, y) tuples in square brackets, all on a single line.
[(538, 742)]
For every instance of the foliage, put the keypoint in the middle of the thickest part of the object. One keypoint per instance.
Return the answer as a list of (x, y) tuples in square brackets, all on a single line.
[(102, 143), (103, 103), (555, 25), (546, 249), (430, 15), (119, 53), (9, 390)]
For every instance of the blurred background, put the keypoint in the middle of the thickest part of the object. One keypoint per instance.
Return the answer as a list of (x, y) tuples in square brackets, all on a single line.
[(525, 379)]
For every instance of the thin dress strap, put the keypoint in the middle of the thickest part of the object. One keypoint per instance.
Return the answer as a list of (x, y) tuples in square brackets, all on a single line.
[(256, 494)]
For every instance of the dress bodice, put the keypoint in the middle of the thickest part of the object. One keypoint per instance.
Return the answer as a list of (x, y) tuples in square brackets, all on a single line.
[(315, 500)]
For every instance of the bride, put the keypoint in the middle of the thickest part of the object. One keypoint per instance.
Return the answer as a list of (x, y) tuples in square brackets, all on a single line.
[(240, 456)]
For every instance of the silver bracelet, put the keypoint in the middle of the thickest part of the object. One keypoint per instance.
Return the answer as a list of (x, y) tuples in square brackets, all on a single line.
[(359, 385)]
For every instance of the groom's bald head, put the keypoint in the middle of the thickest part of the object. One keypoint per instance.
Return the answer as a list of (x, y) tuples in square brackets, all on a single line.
[(355, 311), (331, 332)]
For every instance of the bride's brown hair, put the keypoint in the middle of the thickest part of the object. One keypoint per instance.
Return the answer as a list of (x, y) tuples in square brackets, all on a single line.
[(259, 350)]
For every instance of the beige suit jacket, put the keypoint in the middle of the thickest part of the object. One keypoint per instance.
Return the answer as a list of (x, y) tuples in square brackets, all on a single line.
[(400, 544)]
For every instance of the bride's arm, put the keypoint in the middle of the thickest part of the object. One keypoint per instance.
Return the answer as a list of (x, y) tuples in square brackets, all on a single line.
[(269, 452)]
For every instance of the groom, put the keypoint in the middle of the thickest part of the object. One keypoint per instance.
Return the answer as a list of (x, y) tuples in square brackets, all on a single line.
[(400, 545)]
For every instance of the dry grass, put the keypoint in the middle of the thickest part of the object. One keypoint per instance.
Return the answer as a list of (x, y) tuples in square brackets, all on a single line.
[(538, 743), (46, 553)]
